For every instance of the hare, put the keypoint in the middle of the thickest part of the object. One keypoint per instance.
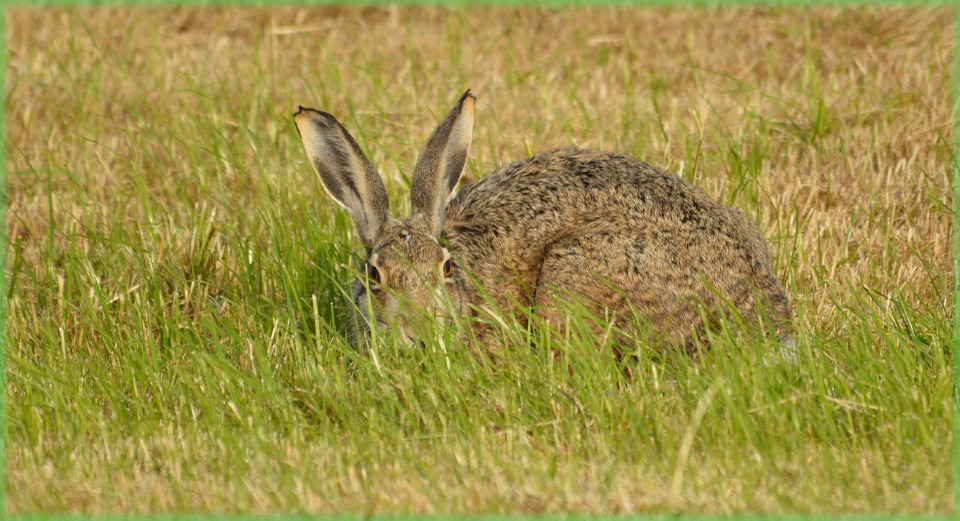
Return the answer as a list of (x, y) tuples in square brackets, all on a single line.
[(628, 239)]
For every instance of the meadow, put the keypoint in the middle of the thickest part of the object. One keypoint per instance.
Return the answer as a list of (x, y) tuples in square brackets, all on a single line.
[(176, 278)]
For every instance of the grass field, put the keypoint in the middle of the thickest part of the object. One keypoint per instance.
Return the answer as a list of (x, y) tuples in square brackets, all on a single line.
[(176, 274)]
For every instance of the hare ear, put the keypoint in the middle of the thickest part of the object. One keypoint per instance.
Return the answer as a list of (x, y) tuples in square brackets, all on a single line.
[(345, 172), (441, 163)]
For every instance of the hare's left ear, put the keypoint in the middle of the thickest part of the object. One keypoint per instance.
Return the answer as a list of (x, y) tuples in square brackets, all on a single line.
[(345, 172), (441, 163)]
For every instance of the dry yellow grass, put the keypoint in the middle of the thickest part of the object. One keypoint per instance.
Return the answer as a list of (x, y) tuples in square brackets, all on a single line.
[(831, 127), (878, 172)]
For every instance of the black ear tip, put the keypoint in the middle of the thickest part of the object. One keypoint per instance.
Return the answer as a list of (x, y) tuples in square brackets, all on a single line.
[(466, 95), (317, 116)]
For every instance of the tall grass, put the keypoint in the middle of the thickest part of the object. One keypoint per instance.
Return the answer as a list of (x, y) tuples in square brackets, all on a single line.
[(177, 280)]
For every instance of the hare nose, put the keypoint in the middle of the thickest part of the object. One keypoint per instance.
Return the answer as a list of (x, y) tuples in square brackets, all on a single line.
[(421, 323)]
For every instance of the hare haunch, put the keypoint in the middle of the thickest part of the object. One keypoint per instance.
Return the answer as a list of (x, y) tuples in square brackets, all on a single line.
[(628, 239)]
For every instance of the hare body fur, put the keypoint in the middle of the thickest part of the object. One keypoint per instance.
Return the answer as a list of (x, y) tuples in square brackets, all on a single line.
[(623, 236), (614, 231)]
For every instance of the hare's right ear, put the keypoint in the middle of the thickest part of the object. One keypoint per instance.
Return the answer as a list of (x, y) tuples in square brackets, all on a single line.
[(440, 165), (345, 172)]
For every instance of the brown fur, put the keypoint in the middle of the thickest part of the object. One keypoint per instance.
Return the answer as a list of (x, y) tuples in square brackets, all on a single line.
[(616, 232), (591, 223)]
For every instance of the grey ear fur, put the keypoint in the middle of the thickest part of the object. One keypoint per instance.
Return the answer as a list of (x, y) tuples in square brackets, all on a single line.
[(345, 172), (440, 164)]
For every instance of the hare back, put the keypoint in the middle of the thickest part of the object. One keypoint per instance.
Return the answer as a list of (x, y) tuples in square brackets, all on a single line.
[(616, 231)]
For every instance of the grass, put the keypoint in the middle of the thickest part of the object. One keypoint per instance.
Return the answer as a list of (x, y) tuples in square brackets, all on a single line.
[(176, 274)]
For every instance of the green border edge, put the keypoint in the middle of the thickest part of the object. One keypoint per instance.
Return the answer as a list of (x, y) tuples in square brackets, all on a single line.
[(956, 254), (955, 158), (3, 261)]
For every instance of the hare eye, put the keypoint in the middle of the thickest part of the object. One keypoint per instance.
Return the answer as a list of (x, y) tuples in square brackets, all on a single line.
[(448, 268), (373, 274)]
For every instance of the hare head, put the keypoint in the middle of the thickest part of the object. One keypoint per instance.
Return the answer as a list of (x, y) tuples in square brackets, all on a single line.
[(409, 276)]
